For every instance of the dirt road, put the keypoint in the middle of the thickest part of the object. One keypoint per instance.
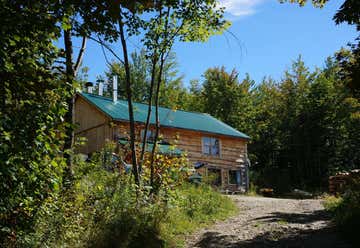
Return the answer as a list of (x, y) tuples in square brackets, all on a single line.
[(271, 222)]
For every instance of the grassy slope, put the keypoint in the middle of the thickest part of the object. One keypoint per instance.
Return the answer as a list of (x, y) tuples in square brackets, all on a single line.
[(194, 208)]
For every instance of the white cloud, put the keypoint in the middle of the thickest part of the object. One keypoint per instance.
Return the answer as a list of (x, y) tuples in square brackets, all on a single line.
[(240, 7)]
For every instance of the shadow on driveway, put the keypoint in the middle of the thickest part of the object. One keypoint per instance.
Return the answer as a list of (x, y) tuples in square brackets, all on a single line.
[(296, 218), (283, 238)]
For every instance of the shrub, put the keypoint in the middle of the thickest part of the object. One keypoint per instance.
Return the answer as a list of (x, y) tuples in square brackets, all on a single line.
[(253, 190), (102, 209), (105, 209), (346, 210), (332, 203), (193, 207)]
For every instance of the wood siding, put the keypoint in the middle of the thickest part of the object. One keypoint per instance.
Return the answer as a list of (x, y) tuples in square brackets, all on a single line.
[(231, 149), (91, 124)]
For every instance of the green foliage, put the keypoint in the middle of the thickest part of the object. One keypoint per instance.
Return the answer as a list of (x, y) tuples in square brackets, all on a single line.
[(316, 3), (194, 207), (173, 94), (310, 129), (221, 94), (253, 189), (31, 115), (102, 209), (302, 128), (349, 12), (331, 203), (346, 210), (105, 209)]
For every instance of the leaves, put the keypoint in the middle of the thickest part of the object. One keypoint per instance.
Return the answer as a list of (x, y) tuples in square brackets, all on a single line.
[(31, 113)]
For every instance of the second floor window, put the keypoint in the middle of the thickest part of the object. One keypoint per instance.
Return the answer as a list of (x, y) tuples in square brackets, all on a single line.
[(211, 146), (150, 135)]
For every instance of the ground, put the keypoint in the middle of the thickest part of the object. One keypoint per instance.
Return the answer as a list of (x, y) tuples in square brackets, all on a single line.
[(271, 222)]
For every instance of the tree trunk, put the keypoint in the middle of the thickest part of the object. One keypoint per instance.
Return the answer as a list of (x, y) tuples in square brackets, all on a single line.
[(162, 60), (129, 99), (69, 116), (152, 83)]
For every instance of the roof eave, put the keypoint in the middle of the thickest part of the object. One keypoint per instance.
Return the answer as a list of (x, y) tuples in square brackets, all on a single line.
[(196, 130)]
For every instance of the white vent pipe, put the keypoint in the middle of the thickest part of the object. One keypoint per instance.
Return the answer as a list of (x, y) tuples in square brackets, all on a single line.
[(115, 89), (101, 88)]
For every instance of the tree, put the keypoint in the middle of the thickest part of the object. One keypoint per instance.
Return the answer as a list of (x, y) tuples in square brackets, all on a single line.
[(165, 22), (172, 91), (265, 135), (32, 111), (221, 94), (179, 20), (195, 101), (139, 68), (349, 12), (302, 128)]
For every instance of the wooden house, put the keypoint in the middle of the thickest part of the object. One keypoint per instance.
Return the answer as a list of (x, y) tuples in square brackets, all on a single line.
[(209, 143)]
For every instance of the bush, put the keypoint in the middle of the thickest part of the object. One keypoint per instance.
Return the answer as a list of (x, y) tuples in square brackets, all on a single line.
[(253, 190), (193, 207), (346, 210), (102, 209), (105, 209), (332, 203)]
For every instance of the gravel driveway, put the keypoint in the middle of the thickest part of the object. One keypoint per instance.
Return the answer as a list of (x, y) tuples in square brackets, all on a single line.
[(270, 222)]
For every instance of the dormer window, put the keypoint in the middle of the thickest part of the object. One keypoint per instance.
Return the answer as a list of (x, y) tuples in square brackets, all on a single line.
[(211, 146)]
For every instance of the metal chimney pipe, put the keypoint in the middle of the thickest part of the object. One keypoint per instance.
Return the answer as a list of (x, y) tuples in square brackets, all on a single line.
[(115, 89), (101, 88), (89, 87)]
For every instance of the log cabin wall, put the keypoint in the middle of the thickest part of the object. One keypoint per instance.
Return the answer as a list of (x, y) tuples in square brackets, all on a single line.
[(231, 149), (97, 128), (189, 141), (92, 125)]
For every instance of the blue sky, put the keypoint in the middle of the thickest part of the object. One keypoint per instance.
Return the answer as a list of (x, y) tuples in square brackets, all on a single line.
[(269, 35)]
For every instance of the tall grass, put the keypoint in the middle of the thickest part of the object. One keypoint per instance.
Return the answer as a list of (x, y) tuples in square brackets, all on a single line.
[(105, 209), (194, 207)]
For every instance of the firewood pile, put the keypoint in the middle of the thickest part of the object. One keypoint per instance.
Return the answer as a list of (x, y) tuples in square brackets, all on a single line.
[(268, 192), (338, 183)]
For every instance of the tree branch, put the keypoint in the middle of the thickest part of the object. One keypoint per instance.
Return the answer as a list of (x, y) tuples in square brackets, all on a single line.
[(107, 48), (80, 56)]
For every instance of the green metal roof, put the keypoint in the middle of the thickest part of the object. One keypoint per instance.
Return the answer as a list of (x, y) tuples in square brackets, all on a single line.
[(162, 148), (168, 117)]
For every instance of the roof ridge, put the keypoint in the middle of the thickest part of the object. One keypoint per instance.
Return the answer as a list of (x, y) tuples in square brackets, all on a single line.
[(169, 117), (109, 99)]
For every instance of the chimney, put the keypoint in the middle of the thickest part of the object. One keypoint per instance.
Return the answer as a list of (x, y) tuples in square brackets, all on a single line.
[(89, 87), (101, 88), (115, 89)]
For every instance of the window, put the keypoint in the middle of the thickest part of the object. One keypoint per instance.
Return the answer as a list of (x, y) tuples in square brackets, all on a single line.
[(211, 146), (150, 135), (234, 177)]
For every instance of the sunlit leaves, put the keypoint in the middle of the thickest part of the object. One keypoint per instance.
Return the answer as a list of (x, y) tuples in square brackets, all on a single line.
[(316, 3), (31, 125)]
